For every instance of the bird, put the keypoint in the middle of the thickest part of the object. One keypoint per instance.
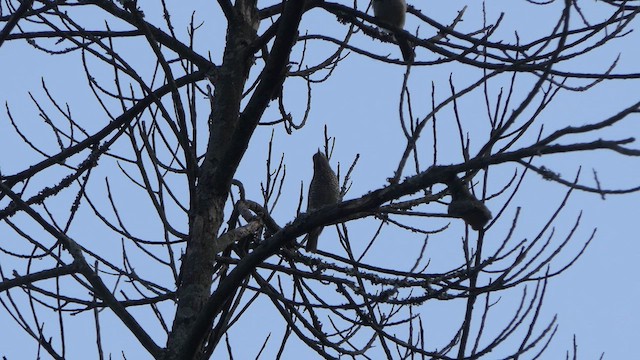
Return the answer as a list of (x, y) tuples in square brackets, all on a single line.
[(324, 190), (392, 13), (466, 206)]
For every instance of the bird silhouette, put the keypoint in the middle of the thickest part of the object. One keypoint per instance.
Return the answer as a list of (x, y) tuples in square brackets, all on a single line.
[(324, 190), (466, 206), (393, 13)]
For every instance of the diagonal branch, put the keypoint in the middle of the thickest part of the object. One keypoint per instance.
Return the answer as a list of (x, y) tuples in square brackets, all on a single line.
[(84, 268), (13, 20), (125, 118)]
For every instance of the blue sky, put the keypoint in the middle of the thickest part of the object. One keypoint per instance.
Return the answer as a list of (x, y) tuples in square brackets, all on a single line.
[(595, 300)]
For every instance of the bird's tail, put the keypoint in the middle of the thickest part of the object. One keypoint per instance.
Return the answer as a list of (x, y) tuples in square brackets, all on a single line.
[(407, 50), (312, 239)]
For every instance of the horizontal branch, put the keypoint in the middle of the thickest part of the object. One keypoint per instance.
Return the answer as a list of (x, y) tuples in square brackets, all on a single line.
[(37, 276)]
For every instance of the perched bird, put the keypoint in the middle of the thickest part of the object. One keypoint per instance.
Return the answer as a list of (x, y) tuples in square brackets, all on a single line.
[(324, 190), (466, 206), (392, 13)]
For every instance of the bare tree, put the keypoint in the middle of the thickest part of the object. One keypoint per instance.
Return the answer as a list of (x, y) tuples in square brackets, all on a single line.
[(137, 212)]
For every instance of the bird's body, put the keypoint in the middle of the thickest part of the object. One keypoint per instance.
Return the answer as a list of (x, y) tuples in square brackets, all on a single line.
[(466, 206), (324, 190), (393, 14), (472, 211)]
